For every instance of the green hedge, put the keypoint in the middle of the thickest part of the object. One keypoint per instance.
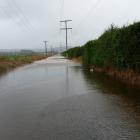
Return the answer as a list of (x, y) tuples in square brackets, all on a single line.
[(73, 52), (116, 47)]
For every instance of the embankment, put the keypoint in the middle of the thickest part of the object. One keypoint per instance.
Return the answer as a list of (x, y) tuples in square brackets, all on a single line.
[(116, 53)]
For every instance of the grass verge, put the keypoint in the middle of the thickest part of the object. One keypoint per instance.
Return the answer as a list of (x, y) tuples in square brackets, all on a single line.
[(8, 62)]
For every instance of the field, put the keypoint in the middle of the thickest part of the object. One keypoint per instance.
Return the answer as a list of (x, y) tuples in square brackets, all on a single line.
[(8, 62)]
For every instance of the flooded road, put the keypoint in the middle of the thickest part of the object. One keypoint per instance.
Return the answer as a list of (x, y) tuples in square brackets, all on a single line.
[(56, 99)]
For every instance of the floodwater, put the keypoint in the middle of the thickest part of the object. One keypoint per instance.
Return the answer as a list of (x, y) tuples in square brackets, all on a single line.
[(56, 99)]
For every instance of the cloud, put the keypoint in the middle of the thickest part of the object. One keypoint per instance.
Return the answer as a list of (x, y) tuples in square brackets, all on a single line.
[(26, 23)]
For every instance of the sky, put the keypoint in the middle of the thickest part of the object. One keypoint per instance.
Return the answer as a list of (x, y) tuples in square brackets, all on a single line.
[(25, 24)]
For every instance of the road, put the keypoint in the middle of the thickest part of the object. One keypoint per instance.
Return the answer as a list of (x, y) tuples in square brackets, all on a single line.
[(56, 99)]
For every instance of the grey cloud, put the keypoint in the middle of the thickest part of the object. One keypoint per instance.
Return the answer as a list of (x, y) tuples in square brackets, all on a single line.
[(26, 23)]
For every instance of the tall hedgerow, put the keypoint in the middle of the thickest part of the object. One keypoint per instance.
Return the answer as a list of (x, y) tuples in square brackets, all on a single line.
[(116, 47)]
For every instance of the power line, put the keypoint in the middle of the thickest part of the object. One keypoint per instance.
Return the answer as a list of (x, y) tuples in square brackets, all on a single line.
[(21, 12), (92, 9), (8, 15), (61, 16), (61, 9), (17, 11)]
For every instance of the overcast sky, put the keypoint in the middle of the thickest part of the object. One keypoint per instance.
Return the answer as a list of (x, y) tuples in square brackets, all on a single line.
[(26, 23)]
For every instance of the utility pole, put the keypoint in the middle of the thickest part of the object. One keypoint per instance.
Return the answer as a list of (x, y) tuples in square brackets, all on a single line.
[(45, 47), (66, 28)]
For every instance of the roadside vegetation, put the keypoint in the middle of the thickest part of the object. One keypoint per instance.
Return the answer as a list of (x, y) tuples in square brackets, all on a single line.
[(116, 52), (8, 62)]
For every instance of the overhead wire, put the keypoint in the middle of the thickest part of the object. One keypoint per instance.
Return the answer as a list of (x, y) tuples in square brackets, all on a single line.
[(57, 37), (22, 13), (61, 8), (92, 9), (84, 19), (15, 10), (61, 18), (4, 11), (18, 12)]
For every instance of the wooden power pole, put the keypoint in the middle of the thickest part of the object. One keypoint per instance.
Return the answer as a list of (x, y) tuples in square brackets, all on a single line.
[(66, 28)]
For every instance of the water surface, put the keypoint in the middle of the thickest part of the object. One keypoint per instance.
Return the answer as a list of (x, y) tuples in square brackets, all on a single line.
[(56, 99)]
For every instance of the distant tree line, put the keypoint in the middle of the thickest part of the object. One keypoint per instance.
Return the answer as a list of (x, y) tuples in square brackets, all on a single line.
[(116, 47)]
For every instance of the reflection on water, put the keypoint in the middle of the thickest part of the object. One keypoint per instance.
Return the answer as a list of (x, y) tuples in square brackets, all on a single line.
[(2, 73), (67, 77), (57, 99), (107, 85)]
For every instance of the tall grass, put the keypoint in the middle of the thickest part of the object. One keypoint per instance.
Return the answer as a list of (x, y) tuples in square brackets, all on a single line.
[(8, 62), (15, 58)]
